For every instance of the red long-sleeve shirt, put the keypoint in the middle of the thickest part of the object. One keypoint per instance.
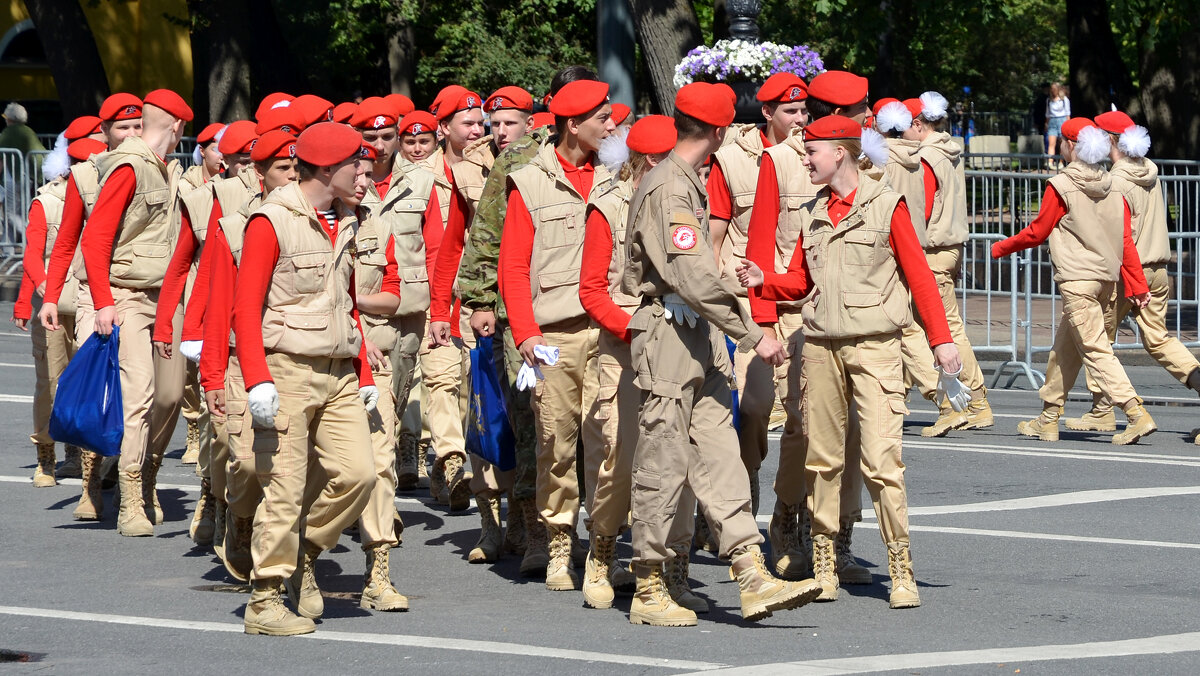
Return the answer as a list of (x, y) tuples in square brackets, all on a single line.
[(260, 254), (443, 307), (929, 179), (760, 242), (1052, 210), (175, 279), (593, 277), (33, 262), (193, 313), (66, 243), (795, 283), (218, 312), (720, 202), (115, 196), (516, 249)]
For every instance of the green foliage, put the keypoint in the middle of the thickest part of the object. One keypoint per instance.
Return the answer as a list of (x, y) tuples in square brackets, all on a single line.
[(342, 45)]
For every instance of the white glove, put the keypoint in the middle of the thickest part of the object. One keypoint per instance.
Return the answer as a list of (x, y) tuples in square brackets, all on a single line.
[(190, 349), (370, 396), (528, 376), (678, 310), (950, 387), (263, 402)]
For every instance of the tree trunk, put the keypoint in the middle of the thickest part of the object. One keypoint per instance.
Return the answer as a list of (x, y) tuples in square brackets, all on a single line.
[(402, 59), (71, 52), (666, 31), (1166, 100), (221, 46), (1099, 77)]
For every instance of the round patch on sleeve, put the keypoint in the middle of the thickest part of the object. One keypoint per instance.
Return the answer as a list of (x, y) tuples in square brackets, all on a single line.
[(684, 237)]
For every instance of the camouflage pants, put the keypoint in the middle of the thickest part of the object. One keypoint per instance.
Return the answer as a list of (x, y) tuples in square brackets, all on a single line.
[(520, 416)]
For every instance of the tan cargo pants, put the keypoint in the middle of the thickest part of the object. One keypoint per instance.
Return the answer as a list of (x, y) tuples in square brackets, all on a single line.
[(945, 263), (687, 438), (756, 398), (864, 375), (195, 411), (563, 407), (52, 351), (377, 523), (321, 438), (234, 476), (485, 477), (1152, 320), (1082, 341)]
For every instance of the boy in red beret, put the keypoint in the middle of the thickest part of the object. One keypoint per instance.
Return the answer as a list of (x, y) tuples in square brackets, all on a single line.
[(1089, 226), (295, 291), (541, 251), (206, 159), (418, 136), (125, 251), (683, 370)]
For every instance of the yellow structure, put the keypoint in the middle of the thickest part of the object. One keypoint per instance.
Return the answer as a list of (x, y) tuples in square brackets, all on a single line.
[(143, 44)]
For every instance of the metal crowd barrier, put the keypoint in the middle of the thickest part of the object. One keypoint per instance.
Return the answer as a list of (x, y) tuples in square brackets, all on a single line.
[(1014, 296)]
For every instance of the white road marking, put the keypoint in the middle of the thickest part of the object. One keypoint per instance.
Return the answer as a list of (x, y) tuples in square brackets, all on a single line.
[(1059, 453), (1057, 500), (17, 398), (189, 488), (17, 366), (458, 644), (1151, 645), (1021, 535)]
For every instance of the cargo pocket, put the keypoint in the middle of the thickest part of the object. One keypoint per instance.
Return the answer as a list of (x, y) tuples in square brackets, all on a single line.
[(272, 458), (309, 272), (892, 408), (860, 248), (239, 429)]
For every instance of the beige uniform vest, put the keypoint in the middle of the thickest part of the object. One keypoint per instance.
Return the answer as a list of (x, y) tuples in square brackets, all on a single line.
[(192, 179), (87, 182), (614, 205), (233, 226), (401, 212), (947, 224), (436, 165), (1137, 180), (739, 162), (370, 266), (52, 197), (904, 175), (558, 212), (858, 290), (795, 190), (471, 173), (1088, 242), (150, 224), (308, 310)]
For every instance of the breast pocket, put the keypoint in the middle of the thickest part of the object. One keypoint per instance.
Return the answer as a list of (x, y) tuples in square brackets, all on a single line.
[(860, 248), (308, 272), (559, 230)]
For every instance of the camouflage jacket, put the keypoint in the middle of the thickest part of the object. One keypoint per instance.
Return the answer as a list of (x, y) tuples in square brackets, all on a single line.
[(477, 284)]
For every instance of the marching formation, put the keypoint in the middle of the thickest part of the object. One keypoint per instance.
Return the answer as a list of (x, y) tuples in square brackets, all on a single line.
[(310, 292)]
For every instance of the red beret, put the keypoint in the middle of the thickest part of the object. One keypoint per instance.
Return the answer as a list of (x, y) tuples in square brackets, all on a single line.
[(783, 88), (274, 144), (171, 102), (83, 148), (453, 99), (121, 106), (1114, 122), (1072, 127), (880, 104), (328, 143), (838, 88), (832, 127), (367, 152), (620, 113), (652, 134), (238, 138), (914, 107), (543, 119), (733, 97), (209, 133), (374, 113), (314, 108), (579, 97), (510, 97), (401, 104), (286, 118), (343, 112), (81, 127), (705, 102), (418, 122), (275, 100)]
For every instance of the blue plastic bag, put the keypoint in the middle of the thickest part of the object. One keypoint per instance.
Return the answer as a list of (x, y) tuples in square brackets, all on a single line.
[(737, 409), (489, 434), (87, 407)]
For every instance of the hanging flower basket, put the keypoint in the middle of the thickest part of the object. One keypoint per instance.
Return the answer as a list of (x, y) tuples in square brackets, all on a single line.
[(743, 61)]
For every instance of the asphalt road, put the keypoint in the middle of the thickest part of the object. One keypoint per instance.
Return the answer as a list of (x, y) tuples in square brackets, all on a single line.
[(1068, 558)]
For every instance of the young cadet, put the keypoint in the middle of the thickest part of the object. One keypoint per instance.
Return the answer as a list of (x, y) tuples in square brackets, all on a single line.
[(856, 247), (731, 185), (52, 350), (683, 370), (207, 162), (477, 286), (1091, 245), (376, 119), (294, 296), (509, 110), (377, 296), (783, 188), (541, 251), (126, 249), (274, 157), (648, 142), (66, 278), (418, 136), (946, 232), (903, 170), (1136, 179)]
